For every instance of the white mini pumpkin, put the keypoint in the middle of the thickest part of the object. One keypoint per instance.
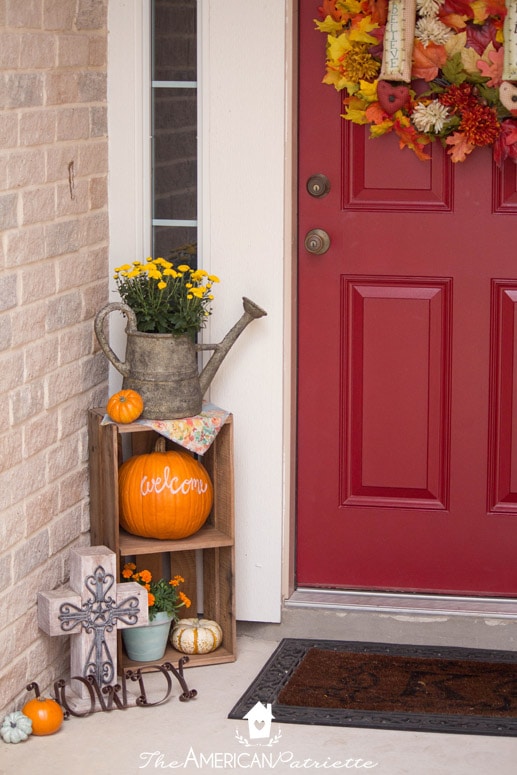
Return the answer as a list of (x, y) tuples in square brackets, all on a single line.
[(196, 636), (16, 727)]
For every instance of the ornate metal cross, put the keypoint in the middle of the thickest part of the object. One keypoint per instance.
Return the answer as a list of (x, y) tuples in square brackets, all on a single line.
[(92, 615)]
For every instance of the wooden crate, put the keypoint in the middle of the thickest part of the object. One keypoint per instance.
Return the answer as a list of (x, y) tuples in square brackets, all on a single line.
[(209, 552)]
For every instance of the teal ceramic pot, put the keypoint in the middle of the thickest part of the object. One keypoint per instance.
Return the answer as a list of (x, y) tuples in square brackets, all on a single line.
[(148, 644)]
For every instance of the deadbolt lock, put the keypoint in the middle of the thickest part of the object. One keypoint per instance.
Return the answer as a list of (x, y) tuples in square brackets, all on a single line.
[(318, 185)]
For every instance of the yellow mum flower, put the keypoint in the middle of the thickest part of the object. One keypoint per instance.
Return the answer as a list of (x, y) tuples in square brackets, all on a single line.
[(183, 268), (162, 285), (198, 292), (162, 262)]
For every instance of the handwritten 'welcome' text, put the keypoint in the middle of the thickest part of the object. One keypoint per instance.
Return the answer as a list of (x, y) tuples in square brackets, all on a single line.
[(172, 483)]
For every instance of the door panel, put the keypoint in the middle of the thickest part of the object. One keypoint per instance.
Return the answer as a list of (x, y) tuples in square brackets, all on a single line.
[(407, 453), (375, 178), (397, 378)]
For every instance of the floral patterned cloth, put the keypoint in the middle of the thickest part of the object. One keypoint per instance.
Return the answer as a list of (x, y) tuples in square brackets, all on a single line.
[(194, 433)]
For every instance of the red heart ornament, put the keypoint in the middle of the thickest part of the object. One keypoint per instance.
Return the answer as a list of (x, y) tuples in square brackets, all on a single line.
[(392, 98)]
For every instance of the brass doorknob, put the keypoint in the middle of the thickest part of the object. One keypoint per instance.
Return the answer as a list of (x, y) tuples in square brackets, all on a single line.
[(317, 241)]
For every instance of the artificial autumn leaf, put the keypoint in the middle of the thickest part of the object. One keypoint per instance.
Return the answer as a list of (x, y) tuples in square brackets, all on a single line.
[(478, 37), (454, 21), (427, 60), (453, 69), (460, 148), (338, 81), (510, 132), (378, 11), (469, 60), (506, 144), (494, 68), (459, 7), (409, 137), (495, 7), (377, 130), (328, 8), (337, 47), (328, 25), (455, 44), (488, 93), (375, 113), (355, 110), (480, 11), (368, 91), (360, 29)]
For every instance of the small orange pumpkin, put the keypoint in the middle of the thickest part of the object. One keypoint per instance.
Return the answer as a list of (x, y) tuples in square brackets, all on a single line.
[(125, 406), (45, 713), (164, 494)]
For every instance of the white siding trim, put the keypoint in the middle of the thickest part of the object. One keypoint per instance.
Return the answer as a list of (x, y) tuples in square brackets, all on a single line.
[(129, 146)]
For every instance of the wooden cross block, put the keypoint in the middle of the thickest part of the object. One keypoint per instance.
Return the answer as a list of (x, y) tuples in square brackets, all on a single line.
[(91, 610)]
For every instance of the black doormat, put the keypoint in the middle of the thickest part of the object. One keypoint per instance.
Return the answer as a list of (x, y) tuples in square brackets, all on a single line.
[(387, 686)]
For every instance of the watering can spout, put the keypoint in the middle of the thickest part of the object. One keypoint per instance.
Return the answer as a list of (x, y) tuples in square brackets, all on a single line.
[(251, 312)]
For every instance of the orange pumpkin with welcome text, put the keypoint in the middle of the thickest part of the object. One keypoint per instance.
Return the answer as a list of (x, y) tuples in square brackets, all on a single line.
[(125, 406), (164, 494)]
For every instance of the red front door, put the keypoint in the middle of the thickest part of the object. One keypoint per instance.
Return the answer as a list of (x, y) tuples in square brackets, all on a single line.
[(407, 442)]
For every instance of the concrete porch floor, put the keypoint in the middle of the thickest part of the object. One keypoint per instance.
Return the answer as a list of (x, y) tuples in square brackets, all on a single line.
[(197, 736)]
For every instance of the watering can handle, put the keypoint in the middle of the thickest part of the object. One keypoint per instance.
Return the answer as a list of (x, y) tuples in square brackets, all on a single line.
[(122, 367)]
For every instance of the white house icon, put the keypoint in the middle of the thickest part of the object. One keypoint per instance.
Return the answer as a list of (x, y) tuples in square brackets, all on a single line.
[(259, 720)]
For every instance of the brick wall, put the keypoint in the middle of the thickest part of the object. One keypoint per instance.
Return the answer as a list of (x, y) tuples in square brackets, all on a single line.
[(53, 279)]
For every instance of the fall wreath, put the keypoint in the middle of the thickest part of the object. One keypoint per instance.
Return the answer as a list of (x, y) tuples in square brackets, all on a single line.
[(458, 86)]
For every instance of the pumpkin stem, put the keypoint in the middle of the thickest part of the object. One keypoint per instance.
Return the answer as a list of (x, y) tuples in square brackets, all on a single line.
[(160, 445)]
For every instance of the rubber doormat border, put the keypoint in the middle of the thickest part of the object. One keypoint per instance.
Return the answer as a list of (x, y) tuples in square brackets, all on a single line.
[(279, 668)]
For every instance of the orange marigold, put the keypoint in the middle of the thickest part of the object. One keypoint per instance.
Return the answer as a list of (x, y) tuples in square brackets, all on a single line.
[(146, 576)]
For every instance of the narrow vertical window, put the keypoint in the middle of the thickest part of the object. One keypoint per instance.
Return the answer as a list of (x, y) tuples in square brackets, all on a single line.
[(174, 127)]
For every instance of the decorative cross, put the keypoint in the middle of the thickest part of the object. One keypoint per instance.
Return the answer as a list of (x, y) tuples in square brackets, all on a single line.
[(90, 609)]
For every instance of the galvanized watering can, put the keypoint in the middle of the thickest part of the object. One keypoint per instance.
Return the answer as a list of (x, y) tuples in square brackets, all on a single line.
[(163, 368)]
